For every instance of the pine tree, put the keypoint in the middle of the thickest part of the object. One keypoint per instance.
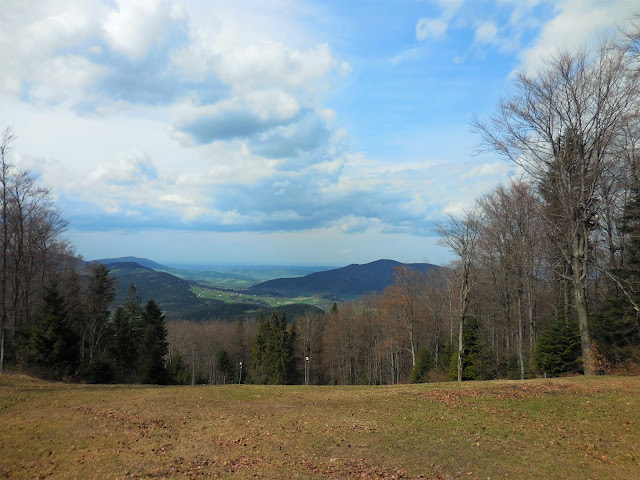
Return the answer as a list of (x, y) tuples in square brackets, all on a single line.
[(558, 349), (272, 352), (424, 363), (477, 357), (100, 294), (223, 364), (123, 348), (178, 371), (153, 346), (53, 344)]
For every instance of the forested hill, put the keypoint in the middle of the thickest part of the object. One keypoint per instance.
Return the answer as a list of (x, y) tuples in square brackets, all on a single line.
[(172, 293), (145, 262), (345, 283), (175, 296)]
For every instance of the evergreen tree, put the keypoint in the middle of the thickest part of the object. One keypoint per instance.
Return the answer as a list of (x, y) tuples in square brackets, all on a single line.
[(424, 363), (223, 364), (558, 349), (178, 371), (477, 357), (272, 352), (123, 347), (53, 344), (153, 346)]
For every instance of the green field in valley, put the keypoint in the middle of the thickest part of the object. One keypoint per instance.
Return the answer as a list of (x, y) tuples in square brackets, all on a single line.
[(238, 296), (573, 428)]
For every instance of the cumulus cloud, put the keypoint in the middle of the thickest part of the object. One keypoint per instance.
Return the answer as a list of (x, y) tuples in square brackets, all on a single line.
[(574, 23), (135, 25), (206, 123)]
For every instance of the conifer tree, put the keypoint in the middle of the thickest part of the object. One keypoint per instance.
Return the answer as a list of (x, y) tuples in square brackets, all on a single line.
[(154, 346), (223, 364), (53, 344), (477, 357), (272, 352), (558, 349), (424, 364)]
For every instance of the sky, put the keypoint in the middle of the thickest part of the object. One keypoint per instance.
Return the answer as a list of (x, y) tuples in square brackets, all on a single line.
[(272, 132)]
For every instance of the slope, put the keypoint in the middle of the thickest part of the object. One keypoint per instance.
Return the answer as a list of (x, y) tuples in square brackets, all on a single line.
[(176, 298), (344, 283)]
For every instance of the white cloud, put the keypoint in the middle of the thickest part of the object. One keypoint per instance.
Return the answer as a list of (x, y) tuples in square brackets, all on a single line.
[(63, 78), (494, 169), (35, 32), (136, 25), (272, 103), (437, 27), (486, 33), (449, 8), (576, 22), (430, 28)]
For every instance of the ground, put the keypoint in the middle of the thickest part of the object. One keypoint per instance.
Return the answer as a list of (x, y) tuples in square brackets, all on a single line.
[(581, 427)]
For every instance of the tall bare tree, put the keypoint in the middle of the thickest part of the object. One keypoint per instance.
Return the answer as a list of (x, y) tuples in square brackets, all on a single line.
[(8, 137), (461, 236), (560, 126)]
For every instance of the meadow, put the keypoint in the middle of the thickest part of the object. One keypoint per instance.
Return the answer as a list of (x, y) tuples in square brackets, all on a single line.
[(243, 297), (578, 428)]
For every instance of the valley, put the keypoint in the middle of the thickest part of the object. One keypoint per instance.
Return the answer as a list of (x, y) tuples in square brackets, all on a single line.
[(202, 293), (230, 295)]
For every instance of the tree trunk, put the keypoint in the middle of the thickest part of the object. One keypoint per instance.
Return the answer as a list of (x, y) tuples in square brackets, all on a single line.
[(578, 279), (520, 332), (460, 347)]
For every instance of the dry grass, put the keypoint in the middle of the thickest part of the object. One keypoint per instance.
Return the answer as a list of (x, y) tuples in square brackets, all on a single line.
[(583, 428)]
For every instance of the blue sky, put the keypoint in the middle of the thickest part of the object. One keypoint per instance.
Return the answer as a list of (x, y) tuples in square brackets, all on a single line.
[(271, 132)]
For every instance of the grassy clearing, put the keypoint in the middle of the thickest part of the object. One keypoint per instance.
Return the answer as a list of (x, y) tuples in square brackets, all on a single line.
[(239, 297), (536, 429)]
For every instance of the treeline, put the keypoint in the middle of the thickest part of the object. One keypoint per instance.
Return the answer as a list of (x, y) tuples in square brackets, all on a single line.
[(547, 276), (55, 317), (404, 334), (546, 280), (548, 264)]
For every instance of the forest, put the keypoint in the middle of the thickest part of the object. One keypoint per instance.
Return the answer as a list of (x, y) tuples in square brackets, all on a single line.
[(545, 281)]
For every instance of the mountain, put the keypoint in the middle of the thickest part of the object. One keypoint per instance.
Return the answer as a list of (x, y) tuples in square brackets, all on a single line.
[(145, 262), (344, 283), (175, 297), (173, 294), (228, 276)]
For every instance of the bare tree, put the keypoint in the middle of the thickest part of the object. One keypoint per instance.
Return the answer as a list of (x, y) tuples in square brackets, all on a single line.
[(309, 329), (560, 127), (403, 301), (8, 137), (461, 236)]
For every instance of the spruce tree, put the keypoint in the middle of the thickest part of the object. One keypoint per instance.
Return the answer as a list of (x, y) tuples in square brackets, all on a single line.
[(558, 349), (223, 364), (153, 346), (272, 352), (477, 356), (53, 345), (424, 363)]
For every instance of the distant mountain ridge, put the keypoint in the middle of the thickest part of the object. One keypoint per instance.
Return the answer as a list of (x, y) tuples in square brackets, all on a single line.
[(347, 282), (145, 262), (175, 296), (174, 293)]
